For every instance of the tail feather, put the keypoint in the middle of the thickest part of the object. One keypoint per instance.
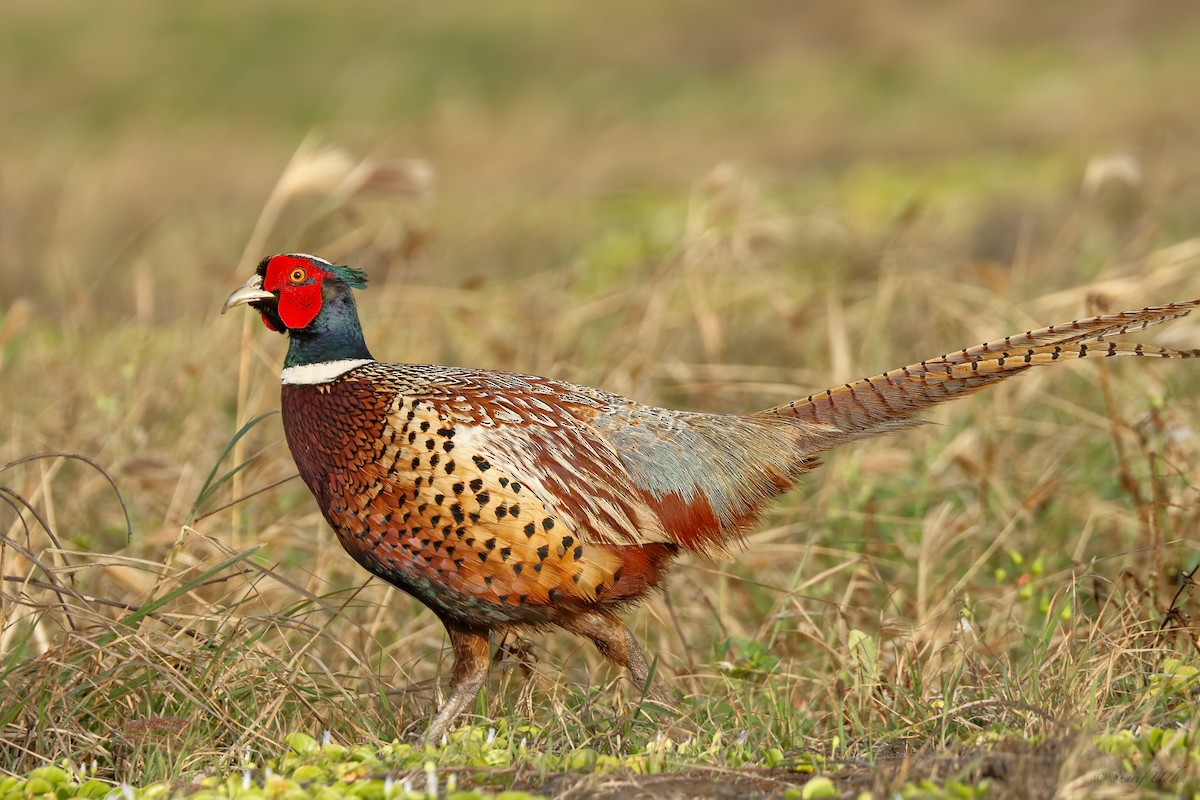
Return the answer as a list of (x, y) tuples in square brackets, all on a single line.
[(889, 401), (1095, 329)]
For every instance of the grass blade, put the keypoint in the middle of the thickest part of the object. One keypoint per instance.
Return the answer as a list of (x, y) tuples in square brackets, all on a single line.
[(212, 483)]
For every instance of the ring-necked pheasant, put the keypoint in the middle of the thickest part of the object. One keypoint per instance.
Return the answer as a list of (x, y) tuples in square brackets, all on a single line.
[(504, 500)]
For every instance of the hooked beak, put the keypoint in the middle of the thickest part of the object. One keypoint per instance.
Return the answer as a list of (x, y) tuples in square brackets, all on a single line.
[(248, 292)]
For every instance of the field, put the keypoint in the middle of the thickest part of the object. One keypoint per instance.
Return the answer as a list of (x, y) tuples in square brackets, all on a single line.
[(702, 205)]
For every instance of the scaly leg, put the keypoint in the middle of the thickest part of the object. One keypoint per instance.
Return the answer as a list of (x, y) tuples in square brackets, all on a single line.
[(616, 643), (470, 670)]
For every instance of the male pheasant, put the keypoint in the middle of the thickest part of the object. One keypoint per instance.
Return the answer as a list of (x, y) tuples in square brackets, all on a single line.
[(502, 500)]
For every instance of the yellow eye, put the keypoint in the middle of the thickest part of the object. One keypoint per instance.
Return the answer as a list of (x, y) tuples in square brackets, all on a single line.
[(298, 275)]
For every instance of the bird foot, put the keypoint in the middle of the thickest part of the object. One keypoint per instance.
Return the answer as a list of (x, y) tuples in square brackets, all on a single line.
[(670, 724)]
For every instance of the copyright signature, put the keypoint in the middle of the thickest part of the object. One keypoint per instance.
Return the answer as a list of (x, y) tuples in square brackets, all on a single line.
[(1157, 776)]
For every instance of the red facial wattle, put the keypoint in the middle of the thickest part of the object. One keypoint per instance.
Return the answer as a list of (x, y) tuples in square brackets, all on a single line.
[(298, 284), (298, 305)]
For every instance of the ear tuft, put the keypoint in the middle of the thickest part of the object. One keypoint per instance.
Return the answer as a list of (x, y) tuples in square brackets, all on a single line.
[(354, 278)]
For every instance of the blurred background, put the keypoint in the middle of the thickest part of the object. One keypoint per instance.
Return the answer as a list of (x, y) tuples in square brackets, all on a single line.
[(148, 133), (707, 204), (558, 167)]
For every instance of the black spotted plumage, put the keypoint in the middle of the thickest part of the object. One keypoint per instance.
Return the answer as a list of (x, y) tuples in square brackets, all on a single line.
[(501, 499)]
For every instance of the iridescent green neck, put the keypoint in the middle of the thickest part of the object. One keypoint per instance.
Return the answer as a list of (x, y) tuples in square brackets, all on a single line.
[(334, 334)]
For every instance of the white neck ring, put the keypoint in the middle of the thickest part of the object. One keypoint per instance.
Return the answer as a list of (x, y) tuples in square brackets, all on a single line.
[(322, 372)]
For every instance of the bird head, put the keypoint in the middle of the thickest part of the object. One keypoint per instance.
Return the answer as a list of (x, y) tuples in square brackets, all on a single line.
[(289, 290)]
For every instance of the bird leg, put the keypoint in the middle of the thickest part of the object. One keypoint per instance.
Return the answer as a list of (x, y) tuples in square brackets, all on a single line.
[(616, 643), (470, 670)]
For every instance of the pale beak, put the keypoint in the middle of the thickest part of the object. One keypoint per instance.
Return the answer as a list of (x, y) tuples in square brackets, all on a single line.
[(250, 291)]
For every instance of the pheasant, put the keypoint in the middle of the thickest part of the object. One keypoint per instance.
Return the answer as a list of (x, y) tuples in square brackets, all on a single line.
[(503, 500)]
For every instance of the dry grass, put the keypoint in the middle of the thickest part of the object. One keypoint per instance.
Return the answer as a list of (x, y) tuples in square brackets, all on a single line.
[(1013, 571)]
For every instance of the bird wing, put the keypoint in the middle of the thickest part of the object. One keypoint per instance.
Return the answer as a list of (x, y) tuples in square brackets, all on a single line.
[(499, 482), (611, 471), (540, 433)]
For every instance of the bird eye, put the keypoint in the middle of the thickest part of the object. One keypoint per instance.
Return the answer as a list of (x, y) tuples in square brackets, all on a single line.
[(298, 275)]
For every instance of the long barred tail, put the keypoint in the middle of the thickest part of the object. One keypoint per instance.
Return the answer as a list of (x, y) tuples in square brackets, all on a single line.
[(889, 401)]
